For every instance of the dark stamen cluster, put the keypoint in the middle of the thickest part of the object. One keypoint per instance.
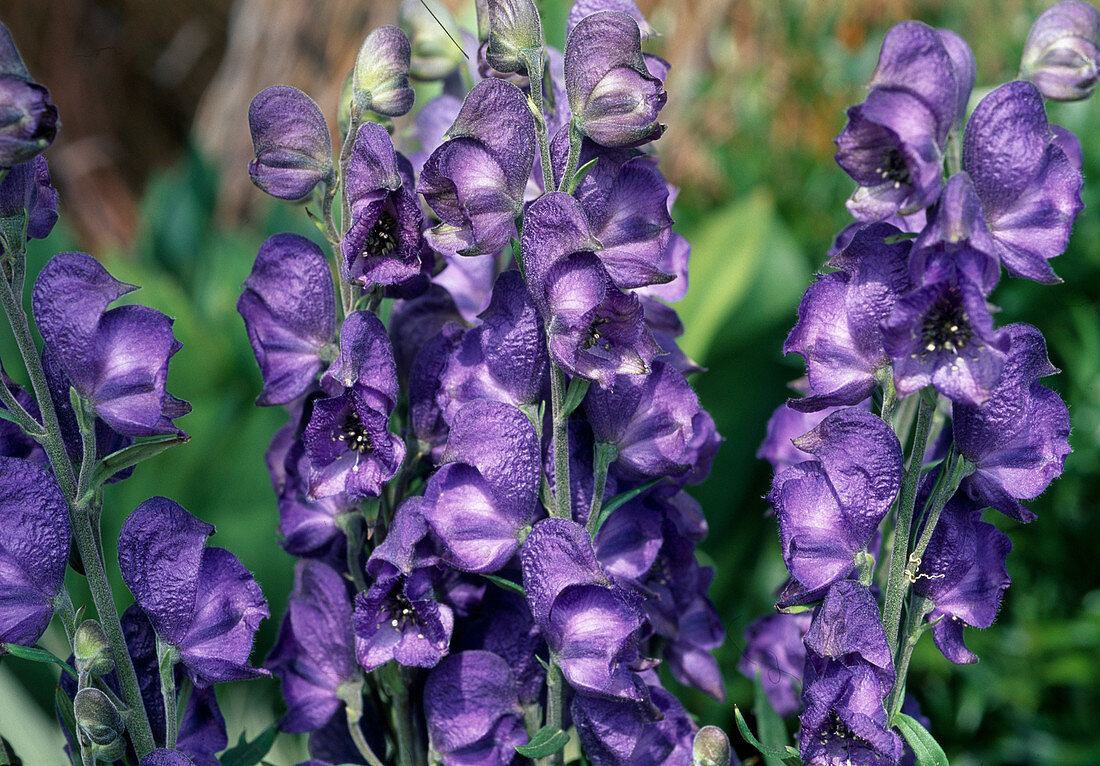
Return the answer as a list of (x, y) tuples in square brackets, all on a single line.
[(594, 336), (382, 239), (356, 436), (893, 168), (946, 326)]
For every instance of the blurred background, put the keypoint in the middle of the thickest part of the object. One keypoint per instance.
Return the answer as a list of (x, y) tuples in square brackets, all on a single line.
[(151, 166)]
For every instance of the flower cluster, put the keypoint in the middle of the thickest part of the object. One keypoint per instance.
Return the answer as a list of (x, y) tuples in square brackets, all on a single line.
[(901, 349), (99, 405), (490, 428)]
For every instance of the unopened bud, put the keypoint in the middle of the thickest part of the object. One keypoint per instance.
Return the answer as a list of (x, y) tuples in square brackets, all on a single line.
[(381, 79), (100, 725), (92, 650), (434, 53), (514, 26), (292, 143), (711, 748), (1060, 56)]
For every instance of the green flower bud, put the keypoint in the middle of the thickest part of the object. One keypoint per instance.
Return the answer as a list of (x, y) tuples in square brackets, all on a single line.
[(92, 650), (514, 26), (435, 54), (711, 748), (99, 724), (381, 78)]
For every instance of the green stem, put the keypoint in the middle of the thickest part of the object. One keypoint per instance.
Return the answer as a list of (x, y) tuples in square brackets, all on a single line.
[(914, 628), (889, 397), (359, 740), (954, 471), (575, 140), (347, 292), (533, 58), (352, 524), (555, 707), (166, 659), (898, 581), (23, 419), (605, 455), (402, 721), (562, 505)]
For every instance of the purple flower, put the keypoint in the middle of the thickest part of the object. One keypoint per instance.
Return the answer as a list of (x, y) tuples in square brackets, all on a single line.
[(164, 757), (942, 334), (1062, 51), (475, 181), (590, 624), (1018, 438), (425, 415), (504, 626), (484, 496), (33, 552), (289, 309), (13, 442), (613, 97), (292, 143), (838, 320), (382, 72), (200, 600), (774, 650), (504, 358), (848, 674), (383, 242), (314, 655), (1029, 188), (963, 572), (472, 710), (117, 360), (348, 441), (26, 190), (583, 8), (28, 121), (202, 729), (829, 508), (655, 423)]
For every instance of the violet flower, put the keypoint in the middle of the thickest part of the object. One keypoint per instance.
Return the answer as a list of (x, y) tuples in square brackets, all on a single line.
[(1017, 439), (583, 8), (33, 552), (292, 143), (28, 120), (202, 732), (117, 360), (314, 655), (382, 245), (289, 309), (26, 191), (201, 601), (614, 98), (1062, 51), (472, 711), (475, 181), (774, 651), (829, 508)]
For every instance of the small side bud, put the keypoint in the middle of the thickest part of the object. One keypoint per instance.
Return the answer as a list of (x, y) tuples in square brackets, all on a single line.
[(514, 26), (28, 119), (92, 650), (1060, 56), (382, 72), (711, 748), (435, 54), (99, 724)]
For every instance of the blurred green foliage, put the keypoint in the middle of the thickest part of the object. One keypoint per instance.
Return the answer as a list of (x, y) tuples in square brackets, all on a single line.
[(758, 236)]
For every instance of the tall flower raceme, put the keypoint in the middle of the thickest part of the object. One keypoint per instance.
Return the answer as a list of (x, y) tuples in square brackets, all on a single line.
[(918, 413), (490, 428), (139, 685)]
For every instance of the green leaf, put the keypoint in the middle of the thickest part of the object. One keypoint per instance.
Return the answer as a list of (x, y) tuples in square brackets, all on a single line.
[(250, 753), (582, 171), (925, 746), (574, 395), (64, 705), (769, 752), (624, 497), (773, 732), (34, 654), (506, 584), (132, 455), (547, 741)]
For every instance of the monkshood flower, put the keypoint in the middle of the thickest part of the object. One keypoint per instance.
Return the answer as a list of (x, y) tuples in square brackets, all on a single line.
[(474, 182), (314, 655), (398, 618), (655, 422), (201, 601), (1063, 50), (514, 27), (289, 309), (483, 497), (26, 191), (589, 624), (202, 728), (848, 674), (613, 97), (117, 360), (894, 142), (504, 626), (33, 552), (164, 757), (13, 441), (963, 573), (433, 56), (774, 651), (472, 710), (829, 508), (292, 144), (425, 415), (381, 77), (583, 8), (942, 334), (28, 120), (504, 358), (595, 330), (348, 441), (838, 320), (1029, 187), (383, 242), (1018, 439)]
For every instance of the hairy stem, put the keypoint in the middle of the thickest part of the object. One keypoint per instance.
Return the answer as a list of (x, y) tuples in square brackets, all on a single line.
[(533, 58), (914, 628), (166, 659), (605, 455), (562, 505), (359, 740), (575, 140), (555, 707)]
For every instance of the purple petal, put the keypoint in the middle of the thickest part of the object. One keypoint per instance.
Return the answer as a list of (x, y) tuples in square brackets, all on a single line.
[(465, 697), (291, 141), (558, 553), (1061, 52), (202, 728), (365, 362), (583, 8)]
